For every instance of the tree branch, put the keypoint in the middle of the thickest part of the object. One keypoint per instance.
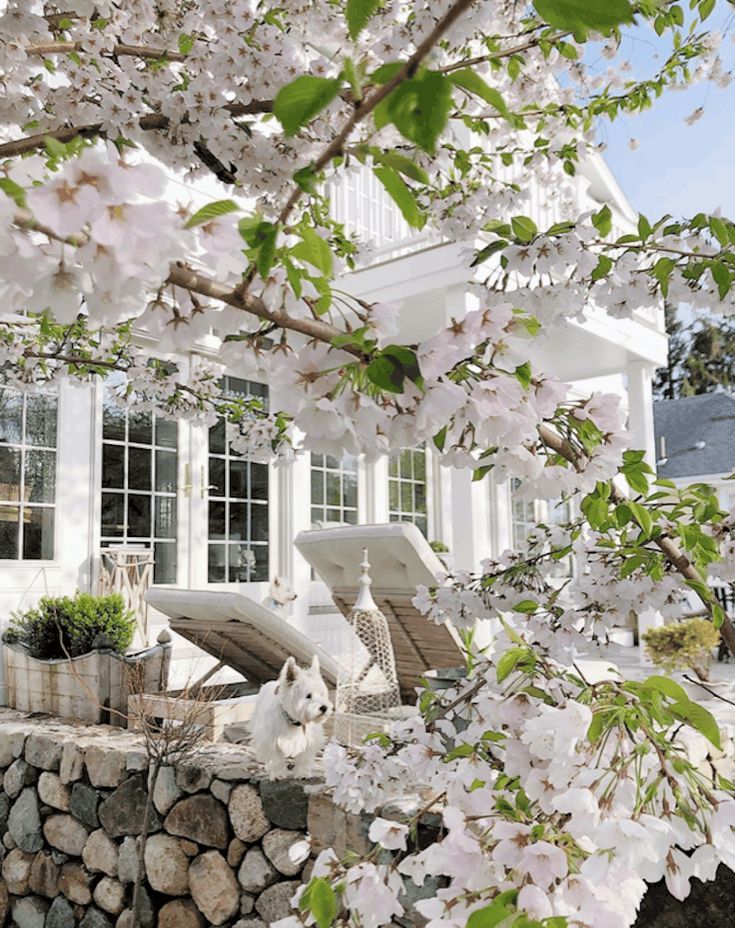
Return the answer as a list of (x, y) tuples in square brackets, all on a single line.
[(135, 51)]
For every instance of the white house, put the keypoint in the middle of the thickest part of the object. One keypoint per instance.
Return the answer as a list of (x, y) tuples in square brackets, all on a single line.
[(78, 474)]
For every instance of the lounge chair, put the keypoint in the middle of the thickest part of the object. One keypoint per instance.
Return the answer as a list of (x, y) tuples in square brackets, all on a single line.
[(401, 559), (239, 632)]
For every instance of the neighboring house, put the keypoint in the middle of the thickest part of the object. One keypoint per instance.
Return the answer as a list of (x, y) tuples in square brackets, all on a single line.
[(695, 441), (78, 474)]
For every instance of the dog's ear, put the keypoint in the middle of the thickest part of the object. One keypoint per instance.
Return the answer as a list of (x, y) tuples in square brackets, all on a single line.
[(315, 664), (290, 671)]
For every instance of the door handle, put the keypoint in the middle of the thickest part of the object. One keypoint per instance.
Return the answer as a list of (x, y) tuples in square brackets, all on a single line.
[(187, 487)]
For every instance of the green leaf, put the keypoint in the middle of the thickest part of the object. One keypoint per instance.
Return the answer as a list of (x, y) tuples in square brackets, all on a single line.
[(211, 211), (299, 102), (594, 732), (313, 249), (400, 163), (523, 374), (386, 373), (508, 663), (406, 358), (667, 686), (352, 78), (723, 278), (471, 81), (13, 190), (523, 228), (359, 13), (186, 43), (642, 516), (698, 718), (489, 916), (526, 606), (267, 250), (418, 108), (584, 16), (636, 480), (306, 179), (402, 196), (602, 221), (321, 902)]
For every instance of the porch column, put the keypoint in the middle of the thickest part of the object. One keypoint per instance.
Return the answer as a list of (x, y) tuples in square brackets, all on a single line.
[(640, 408), (376, 507), (294, 485), (471, 535)]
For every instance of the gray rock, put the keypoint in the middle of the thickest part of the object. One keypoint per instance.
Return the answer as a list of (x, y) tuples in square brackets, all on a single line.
[(53, 792), (4, 812), (100, 854), (29, 912), (75, 883), (285, 803), (4, 903), (275, 902), (276, 846), (60, 915), (193, 778), (247, 903), (166, 865), (12, 742), (24, 821), (109, 895), (123, 812), (166, 791), (18, 775), (190, 848), (44, 875), (250, 923), (180, 913), (84, 803), (127, 861), (17, 871), (59, 857), (221, 790), (214, 888), (94, 918), (43, 750), (256, 872), (105, 765), (201, 818), (136, 761), (8, 842), (66, 834), (145, 908), (71, 767), (249, 821)]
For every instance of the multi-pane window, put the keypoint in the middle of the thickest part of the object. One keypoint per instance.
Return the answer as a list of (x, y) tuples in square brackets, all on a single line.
[(238, 504), (407, 488), (139, 484), (527, 514), (28, 427), (334, 488)]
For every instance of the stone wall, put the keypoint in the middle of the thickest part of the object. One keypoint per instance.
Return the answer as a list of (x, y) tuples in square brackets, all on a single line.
[(71, 811)]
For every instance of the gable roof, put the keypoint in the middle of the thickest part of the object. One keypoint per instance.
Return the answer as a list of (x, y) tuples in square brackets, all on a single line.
[(685, 422)]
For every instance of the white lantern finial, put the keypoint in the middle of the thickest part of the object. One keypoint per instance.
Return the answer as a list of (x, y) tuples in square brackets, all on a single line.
[(365, 601)]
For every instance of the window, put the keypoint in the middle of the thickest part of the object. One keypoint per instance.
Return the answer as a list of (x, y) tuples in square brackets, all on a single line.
[(139, 484), (526, 514), (28, 427), (238, 504), (333, 489), (407, 488)]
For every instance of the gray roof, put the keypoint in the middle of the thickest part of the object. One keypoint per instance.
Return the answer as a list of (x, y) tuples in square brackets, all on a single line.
[(708, 418)]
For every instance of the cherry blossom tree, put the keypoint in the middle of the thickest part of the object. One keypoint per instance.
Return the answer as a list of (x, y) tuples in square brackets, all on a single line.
[(559, 798)]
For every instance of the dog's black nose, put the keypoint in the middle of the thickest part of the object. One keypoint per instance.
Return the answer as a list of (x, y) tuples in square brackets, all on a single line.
[(323, 709)]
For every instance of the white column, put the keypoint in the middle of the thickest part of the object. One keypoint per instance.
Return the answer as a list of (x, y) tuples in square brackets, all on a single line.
[(470, 520), (297, 511), (640, 407), (376, 492)]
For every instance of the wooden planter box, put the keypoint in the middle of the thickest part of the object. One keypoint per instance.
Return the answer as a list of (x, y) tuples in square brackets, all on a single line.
[(93, 687)]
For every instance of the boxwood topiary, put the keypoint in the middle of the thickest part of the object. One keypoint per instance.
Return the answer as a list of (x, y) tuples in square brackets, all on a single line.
[(66, 626)]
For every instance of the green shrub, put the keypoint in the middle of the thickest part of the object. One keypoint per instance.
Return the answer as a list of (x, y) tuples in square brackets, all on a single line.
[(62, 626), (683, 645), (439, 547)]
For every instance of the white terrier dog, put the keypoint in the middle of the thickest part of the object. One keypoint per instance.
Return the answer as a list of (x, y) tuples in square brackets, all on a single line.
[(288, 721)]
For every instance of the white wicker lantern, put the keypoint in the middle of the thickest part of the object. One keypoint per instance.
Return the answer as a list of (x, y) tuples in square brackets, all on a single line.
[(367, 684)]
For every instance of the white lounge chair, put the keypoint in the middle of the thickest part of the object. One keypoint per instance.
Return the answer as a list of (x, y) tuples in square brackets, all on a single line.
[(401, 559), (239, 632)]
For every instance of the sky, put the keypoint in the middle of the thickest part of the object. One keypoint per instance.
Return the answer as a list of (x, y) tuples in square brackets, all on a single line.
[(677, 169)]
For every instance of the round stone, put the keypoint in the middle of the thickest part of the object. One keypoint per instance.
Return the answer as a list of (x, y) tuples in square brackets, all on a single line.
[(53, 792), (100, 854), (180, 913), (109, 895), (24, 821), (44, 876), (66, 834), (256, 872), (274, 903), (29, 912), (60, 915), (166, 865), (276, 845), (248, 819), (17, 871), (201, 818), (75, 882), (214, 888)]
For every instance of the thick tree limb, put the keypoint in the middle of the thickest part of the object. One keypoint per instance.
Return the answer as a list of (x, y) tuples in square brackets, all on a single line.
[(135, 51)]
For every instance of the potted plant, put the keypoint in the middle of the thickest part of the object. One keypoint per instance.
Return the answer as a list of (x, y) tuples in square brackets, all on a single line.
[(683, 646), (67, 657), (439, 548)]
